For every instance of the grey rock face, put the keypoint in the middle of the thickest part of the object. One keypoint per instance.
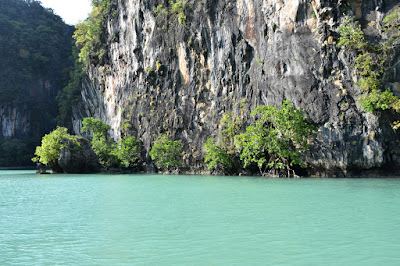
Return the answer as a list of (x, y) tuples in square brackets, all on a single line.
[(14, 121), (233, 56), (33, 116), (78, 159)]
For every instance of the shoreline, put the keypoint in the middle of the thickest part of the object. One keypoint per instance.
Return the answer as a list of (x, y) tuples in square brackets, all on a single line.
[(389, 172)]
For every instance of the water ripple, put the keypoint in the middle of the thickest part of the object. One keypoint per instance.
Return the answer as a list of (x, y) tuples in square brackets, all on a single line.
[(169, 220)]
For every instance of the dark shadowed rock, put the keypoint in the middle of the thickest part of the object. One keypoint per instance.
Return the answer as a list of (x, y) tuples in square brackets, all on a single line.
[(55, 167), (41, 169), (80, 158)]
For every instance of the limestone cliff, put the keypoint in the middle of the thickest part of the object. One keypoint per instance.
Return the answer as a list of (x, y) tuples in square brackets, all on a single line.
[(35, 113), (166, 72)]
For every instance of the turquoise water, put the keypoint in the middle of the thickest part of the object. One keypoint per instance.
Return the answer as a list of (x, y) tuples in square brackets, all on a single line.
[(192, 220)]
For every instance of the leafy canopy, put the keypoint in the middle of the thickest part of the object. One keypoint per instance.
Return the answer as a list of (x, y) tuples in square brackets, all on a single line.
[(165, 152), (230, 127), (35, 44), (17, 152), (177, 9), (102, 144), (35, 51), (276, 139), (351, 35), (128, 152), (52, 144), (70, 95), (221, 154), (95, 126), (216, 156), (89, 34), (377, 100)]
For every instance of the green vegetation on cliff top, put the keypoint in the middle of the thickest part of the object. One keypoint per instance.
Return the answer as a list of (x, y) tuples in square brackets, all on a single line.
[(90, 46), (34, 42), (35, 56), (90, 34)]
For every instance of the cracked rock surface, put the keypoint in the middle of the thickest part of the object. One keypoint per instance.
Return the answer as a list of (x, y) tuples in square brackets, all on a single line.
[(162, 76)]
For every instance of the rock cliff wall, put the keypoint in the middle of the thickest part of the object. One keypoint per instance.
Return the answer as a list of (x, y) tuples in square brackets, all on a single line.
[(35, 57), (35, 54), (35, 114), (169, 73)]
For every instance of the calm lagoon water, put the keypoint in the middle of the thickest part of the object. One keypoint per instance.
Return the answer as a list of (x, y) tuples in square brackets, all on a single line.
[(193, 220)]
